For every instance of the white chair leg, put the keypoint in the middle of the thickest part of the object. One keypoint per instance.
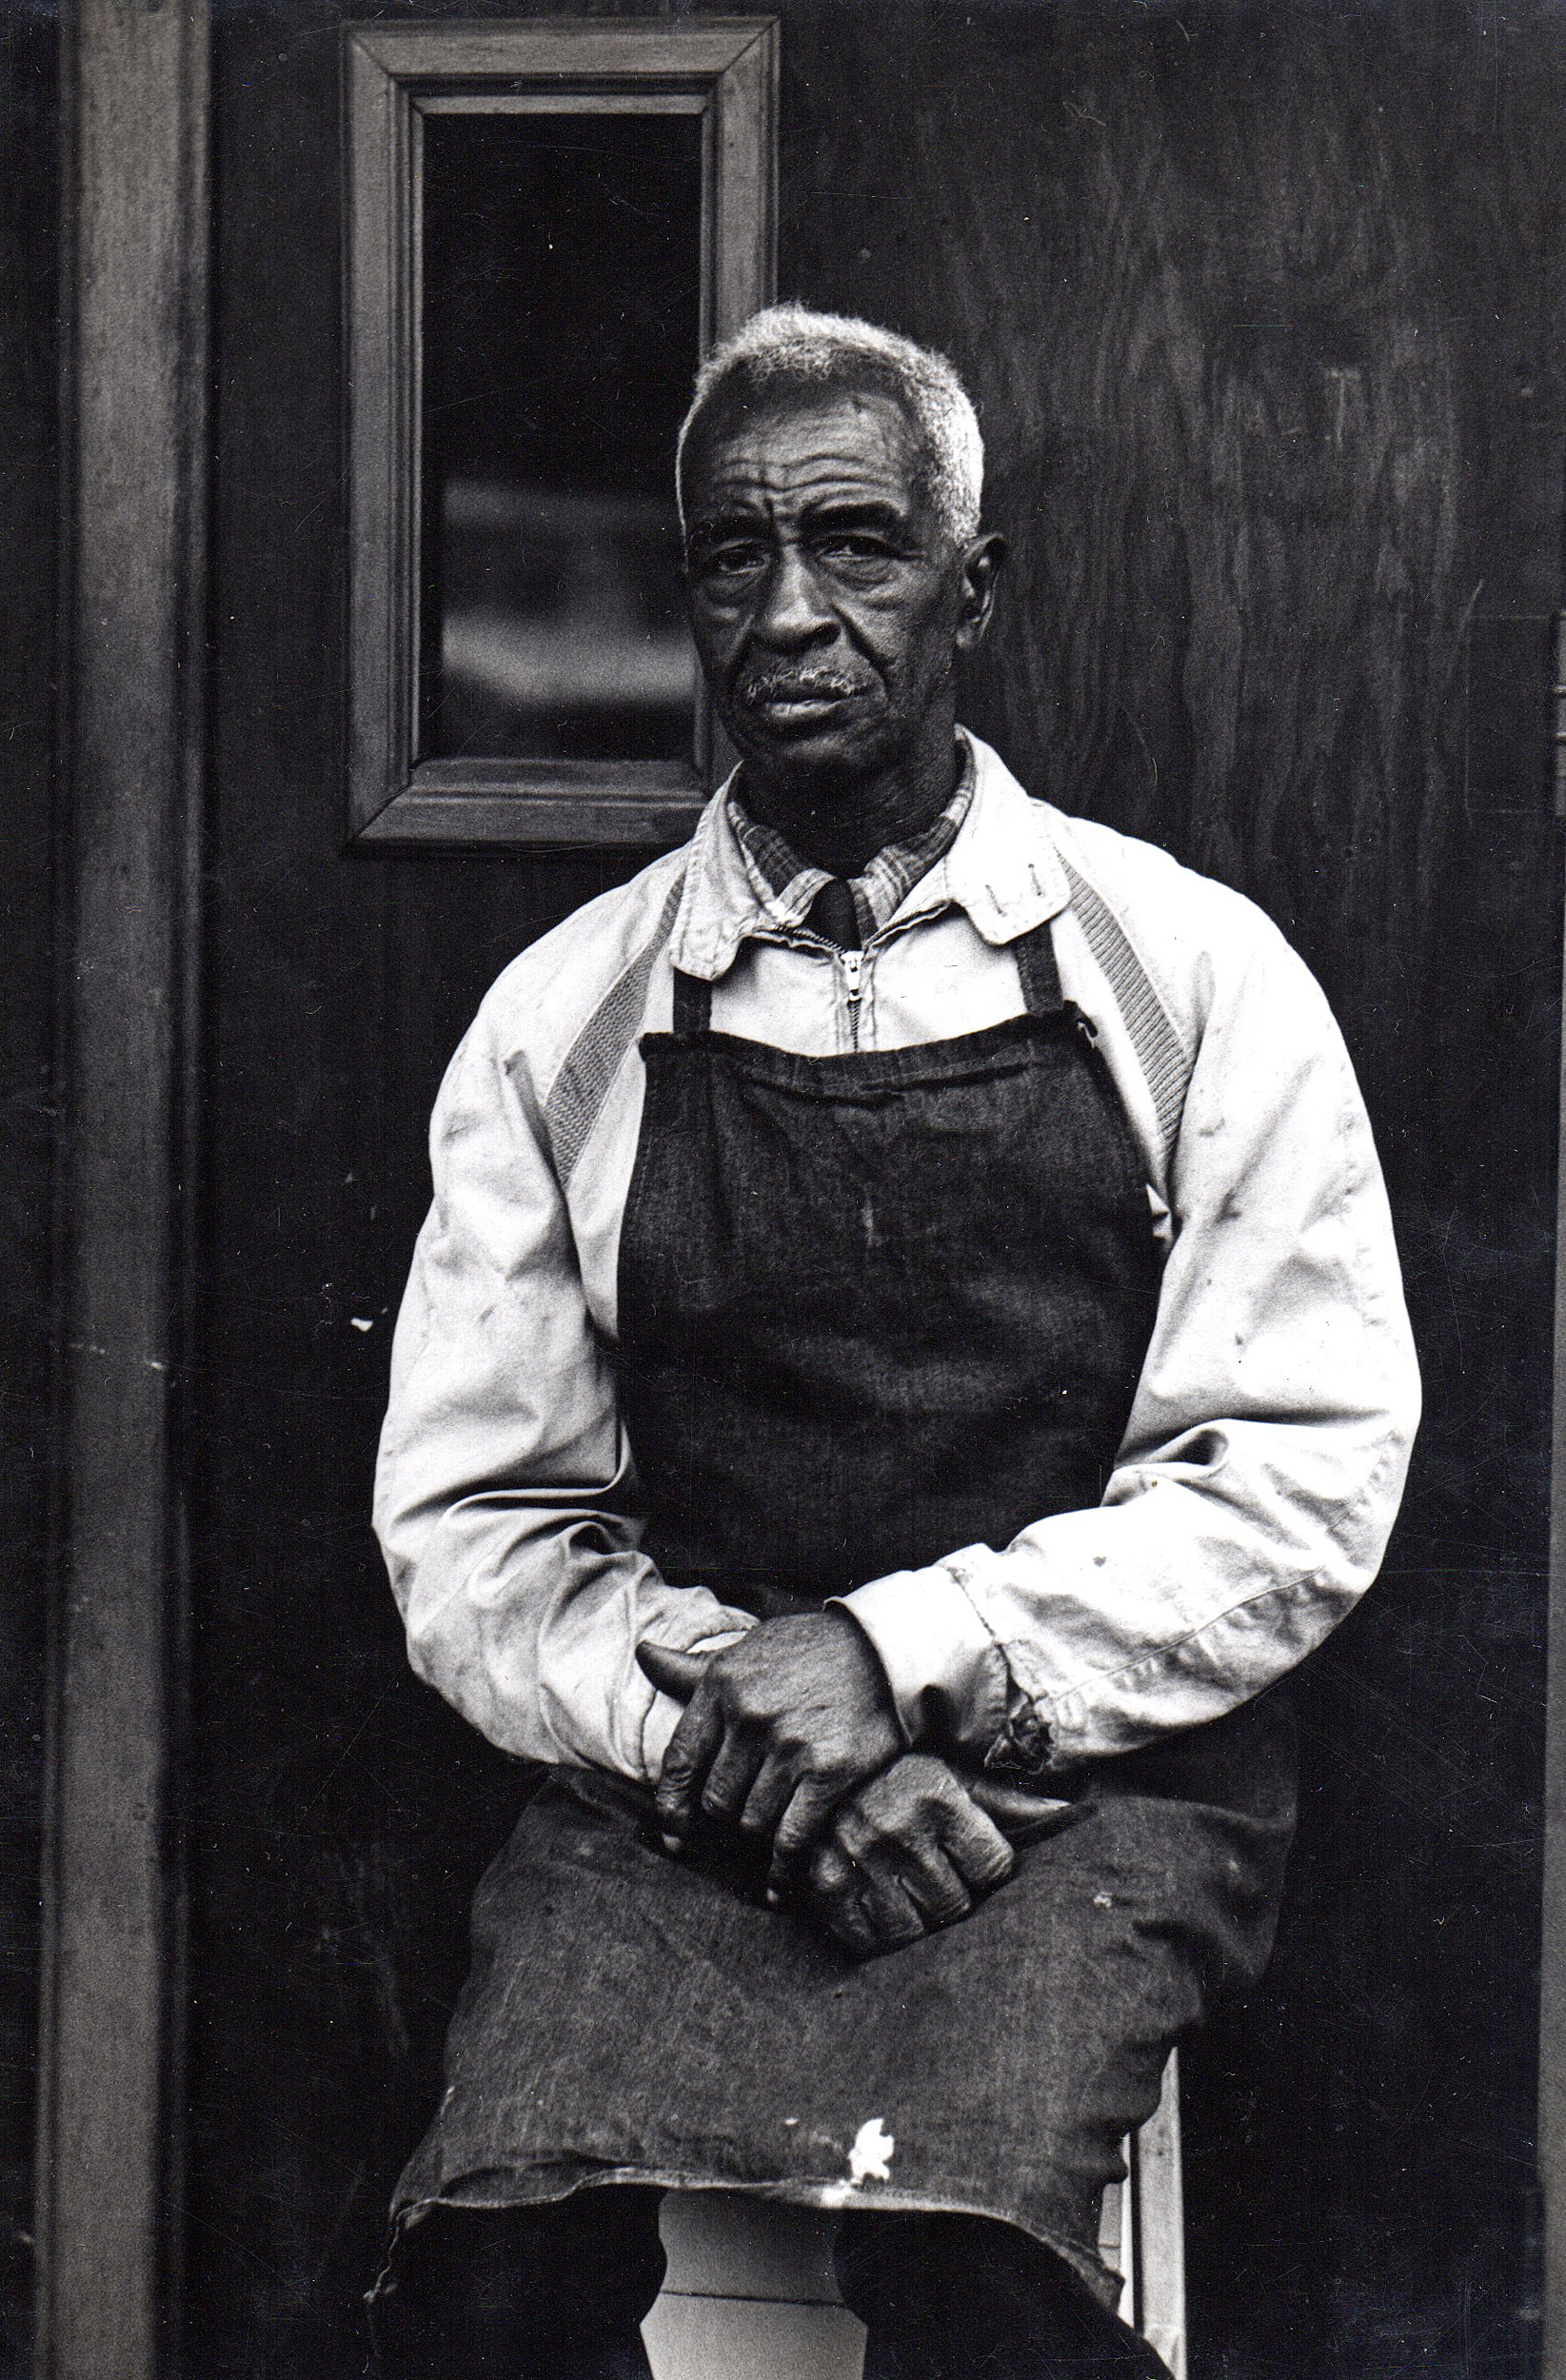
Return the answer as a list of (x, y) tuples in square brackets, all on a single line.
[(750, 2290)]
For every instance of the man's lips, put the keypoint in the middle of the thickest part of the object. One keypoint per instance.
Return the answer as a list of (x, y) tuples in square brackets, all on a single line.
[(797, 697)]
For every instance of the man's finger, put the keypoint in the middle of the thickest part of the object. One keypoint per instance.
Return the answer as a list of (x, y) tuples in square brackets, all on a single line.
[(890, 1912), (833, 1886), (690, 1751), (1020, 1815), (731, 1775), (830, 1872), (672, 1672), (768, 1798), (934, 1886), (803, 1819), (975, 1844), (903, 1862)]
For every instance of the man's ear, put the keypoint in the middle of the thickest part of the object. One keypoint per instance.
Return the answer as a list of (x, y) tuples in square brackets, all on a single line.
[(981, 566)]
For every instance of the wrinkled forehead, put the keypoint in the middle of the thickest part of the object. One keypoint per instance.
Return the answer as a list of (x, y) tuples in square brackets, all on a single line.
[(796, 445)]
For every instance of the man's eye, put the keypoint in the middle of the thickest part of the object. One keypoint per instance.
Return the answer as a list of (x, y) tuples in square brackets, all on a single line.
[(849, 547), (730, 562)]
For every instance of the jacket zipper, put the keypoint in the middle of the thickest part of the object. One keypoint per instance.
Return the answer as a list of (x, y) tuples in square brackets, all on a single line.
[(853, 983)]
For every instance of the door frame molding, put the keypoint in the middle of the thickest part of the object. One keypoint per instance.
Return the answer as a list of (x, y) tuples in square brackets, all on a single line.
[(134, 285), (1551, 2030)]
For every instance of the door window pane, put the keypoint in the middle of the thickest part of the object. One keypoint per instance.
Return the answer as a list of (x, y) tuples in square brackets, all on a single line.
[(562, 319)]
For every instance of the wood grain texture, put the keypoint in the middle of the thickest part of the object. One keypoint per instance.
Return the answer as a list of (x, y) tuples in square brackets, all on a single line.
[(28, 401), (1263, 311), (136, 463), (1552, 2042), (565, 47)]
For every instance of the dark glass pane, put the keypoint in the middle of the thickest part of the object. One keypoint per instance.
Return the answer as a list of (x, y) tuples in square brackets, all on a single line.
[(561, 313)]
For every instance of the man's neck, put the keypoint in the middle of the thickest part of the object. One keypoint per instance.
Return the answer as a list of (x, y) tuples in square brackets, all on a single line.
[(841, 828)]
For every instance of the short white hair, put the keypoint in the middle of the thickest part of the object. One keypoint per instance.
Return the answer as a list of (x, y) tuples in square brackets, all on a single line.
[(790, 347)]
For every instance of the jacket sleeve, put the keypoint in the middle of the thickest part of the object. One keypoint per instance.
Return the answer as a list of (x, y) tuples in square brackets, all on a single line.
[(1266, 1453), (504, 1494)]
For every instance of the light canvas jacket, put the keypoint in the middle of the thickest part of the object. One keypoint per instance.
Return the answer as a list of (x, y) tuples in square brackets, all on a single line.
[(1265, 1452)]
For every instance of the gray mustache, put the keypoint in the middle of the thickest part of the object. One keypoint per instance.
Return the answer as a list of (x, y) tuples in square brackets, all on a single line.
[(800, 685)]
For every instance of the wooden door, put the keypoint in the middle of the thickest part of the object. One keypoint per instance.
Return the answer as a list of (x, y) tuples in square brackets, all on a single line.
[(1263, 312)]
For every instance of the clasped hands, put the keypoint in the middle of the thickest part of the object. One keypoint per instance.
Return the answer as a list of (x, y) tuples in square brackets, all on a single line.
[(791, 1735)]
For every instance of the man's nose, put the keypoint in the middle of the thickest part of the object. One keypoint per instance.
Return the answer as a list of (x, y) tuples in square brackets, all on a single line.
[(792, 613)]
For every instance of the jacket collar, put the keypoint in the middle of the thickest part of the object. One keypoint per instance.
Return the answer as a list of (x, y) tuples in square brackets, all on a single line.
[(1004, 870)]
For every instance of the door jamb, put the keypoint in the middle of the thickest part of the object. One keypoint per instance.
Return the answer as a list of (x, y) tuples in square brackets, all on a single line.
[(1552, 2045), (134, 375)]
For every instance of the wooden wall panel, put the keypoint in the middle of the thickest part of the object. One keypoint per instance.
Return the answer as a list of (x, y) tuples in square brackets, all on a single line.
[(29, 231), (1263, 310)]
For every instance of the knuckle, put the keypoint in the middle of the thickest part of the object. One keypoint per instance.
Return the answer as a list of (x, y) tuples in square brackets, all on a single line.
[(828, 1849), (855, 1834)]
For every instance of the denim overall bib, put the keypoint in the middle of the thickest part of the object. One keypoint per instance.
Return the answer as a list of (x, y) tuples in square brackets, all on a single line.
[(879, 1306), (873, 1308)]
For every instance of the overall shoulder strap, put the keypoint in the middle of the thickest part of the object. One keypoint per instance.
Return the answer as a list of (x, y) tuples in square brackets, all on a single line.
[(692, 1003), (1040, 976)]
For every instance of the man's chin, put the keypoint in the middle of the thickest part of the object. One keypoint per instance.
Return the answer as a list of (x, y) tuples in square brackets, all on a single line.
[(817, 739)]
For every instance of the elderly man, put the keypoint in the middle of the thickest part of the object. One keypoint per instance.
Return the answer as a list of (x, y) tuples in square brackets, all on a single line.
[(907, 1349)]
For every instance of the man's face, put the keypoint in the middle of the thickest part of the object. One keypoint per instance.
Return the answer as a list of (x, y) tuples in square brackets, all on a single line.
[(827, 602)]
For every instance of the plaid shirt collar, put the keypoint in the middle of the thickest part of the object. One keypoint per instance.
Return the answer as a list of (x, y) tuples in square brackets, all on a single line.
[(786, 885), (1005, 872)]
